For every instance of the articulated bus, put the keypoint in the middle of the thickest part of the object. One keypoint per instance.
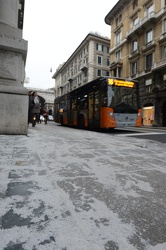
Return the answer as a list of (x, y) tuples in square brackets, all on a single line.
[(106, 103)]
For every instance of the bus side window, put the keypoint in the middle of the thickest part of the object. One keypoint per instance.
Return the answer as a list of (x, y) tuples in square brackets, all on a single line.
[(103, 100), (73, 104), (62, 106), (90, 97), (83, 102)]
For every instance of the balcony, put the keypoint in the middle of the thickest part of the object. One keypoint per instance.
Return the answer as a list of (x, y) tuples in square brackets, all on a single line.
[(70, 79), (116, 63), (148, 70), (148, 46), (162, 37), (141, 24), (160, 64), (161, 12), (85, 79), (134, 54), (134, 29), (141, 74), (84, 67), (118, 45)]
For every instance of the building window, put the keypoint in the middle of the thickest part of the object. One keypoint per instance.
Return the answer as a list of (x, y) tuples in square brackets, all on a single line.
[(118, 37), (87, 48), (117, 72), (164, 52), (120, 18), (149, 36), (164, 26), (133, 68), (134, 45), (99, 60), (116, 22), (108, 62), (149, 61), (99, 47), (135, 4), (118, 54), (150, 9), (135, 21), (98, 72)]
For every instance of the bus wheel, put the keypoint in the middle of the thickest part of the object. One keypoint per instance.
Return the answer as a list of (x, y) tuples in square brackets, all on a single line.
[(81, 123), (61, 120)]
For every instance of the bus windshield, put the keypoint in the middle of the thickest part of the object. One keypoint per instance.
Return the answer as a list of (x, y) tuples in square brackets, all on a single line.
[(122, 99)]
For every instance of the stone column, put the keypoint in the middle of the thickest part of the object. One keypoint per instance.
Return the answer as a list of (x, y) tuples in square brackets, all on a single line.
[(13, 51)]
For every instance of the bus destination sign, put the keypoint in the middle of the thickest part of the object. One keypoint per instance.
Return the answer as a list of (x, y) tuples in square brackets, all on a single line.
[(121, 83)]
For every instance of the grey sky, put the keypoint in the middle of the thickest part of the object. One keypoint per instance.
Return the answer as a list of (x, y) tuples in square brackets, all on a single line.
[(54, 29)]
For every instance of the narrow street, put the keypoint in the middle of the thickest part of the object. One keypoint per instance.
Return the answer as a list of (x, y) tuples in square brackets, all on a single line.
[(69, 189)]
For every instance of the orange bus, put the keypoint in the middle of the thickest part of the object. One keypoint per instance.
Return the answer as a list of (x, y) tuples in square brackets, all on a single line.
[(106, 102)]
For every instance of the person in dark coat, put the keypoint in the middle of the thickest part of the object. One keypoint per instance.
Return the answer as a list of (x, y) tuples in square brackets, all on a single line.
[(30, 107), (36, 109)]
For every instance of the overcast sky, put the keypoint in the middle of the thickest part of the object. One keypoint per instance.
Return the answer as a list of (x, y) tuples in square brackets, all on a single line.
[(54, 29)]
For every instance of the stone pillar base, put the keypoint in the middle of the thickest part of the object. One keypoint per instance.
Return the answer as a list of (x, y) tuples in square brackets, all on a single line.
[(14, 109), (13, 96)]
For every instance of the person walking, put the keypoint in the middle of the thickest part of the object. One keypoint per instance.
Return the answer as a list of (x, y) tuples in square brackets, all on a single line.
[(36, 108), (30, 107)]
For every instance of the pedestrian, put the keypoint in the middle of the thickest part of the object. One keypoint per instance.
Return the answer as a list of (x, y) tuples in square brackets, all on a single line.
[(30, 107), (36, 110), (45, 114)]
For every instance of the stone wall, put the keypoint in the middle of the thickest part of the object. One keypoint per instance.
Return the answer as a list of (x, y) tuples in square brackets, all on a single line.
[(13, 51)]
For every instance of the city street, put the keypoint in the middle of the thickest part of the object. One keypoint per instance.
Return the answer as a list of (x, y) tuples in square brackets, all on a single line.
[(70, 189)]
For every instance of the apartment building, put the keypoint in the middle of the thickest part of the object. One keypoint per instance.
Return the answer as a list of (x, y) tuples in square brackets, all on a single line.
[(89, 61), (138, 51)]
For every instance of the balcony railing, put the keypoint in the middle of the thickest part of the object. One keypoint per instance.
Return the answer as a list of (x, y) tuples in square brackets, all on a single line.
[(148, 45), (150, 16), (141, 22), (161, 12), (84, 67), (134, 53), (116, 61), (117, 45), (163, 36), (159, 64)]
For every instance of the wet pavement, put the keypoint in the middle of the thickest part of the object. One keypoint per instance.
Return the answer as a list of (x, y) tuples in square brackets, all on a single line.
[(70, 189)]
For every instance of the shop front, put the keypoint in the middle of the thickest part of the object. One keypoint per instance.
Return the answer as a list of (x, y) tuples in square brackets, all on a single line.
[(148, 114)]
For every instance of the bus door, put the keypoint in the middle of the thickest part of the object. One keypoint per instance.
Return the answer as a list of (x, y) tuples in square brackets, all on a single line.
[(94, 109), (71, 111)]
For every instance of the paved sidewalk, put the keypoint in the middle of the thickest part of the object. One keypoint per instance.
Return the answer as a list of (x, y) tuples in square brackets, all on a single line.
[(69, 189)]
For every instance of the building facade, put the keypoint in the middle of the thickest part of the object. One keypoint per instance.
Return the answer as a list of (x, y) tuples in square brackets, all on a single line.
[(138, 51), (89, 61)]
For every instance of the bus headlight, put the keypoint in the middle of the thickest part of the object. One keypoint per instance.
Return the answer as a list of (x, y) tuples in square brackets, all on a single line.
[(111, 114)]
